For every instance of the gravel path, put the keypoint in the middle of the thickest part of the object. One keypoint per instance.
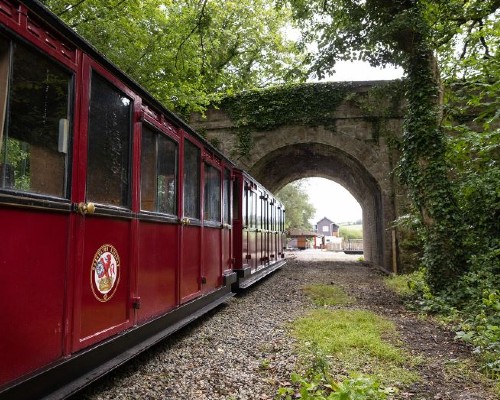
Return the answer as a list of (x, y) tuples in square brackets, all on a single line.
[(242, 349)]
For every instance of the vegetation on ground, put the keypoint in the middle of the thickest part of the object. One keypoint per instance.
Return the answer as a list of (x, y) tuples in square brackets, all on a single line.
[(327, 295), (360, 340), (362, 343), (476, 324)]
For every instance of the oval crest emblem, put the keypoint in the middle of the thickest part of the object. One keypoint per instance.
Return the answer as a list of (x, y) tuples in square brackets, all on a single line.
[(105, 272)]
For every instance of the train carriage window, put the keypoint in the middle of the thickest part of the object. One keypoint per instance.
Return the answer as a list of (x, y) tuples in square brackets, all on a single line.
[(236, 202), (252, 209), (35, 121), (108, 165), (212, 194), (249, 207), (191, 180), (158, 172), (226, 207), (258, 211)]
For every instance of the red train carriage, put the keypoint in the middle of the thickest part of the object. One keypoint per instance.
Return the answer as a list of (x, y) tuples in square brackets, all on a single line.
[(115, 216), (259, 238)]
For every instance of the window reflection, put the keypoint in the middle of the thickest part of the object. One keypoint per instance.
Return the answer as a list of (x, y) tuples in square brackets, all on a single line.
[(158, 172), (212, 194), (191, 180), (34, 120), (108, 172)]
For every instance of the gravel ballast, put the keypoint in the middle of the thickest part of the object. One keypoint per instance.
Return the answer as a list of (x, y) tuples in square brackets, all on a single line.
[(243, 349)]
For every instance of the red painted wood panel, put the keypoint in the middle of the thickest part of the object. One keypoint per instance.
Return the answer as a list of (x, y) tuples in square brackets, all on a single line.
[(226, 249), (33, 261), (212, 261), (190, 276), (157, 268), (99, 318)]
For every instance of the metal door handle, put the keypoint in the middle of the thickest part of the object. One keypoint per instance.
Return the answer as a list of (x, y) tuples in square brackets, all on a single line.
[(85, 208)]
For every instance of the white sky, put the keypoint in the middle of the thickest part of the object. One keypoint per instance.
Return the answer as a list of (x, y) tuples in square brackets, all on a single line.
[(330, 199)]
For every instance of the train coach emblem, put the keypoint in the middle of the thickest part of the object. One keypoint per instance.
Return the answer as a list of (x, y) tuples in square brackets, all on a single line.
[(105, 272)]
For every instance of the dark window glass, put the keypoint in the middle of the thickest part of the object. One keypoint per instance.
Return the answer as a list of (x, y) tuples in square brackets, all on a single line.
[(236, 202), (109, 138), (191, 180), (212, 197), (227, 197), (34, 120), (167, 175), (158, 172), (248, 208), (252, 209), (259, 210)]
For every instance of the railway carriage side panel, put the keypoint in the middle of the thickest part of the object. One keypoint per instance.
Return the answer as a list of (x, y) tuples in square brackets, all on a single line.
[(36, 122), (158, 236)]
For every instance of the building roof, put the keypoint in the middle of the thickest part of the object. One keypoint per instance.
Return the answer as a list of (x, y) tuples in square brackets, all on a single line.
[(329, 221)]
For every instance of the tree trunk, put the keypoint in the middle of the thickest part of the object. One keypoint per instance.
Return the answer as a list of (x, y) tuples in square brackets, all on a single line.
[(424, 169)]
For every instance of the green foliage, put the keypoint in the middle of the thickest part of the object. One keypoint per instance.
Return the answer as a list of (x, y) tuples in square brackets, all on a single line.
[(472, 306), (267, 109), (18, 157), (327, 295), (351, 232), (299, 209), (482, 330), (302, 104), (408, 285), (189, 53), (322, 386), (310, 104), (356, 339), (319, 384)]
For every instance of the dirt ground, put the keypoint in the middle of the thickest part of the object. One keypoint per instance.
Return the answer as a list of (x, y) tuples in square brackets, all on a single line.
[(448, 368)]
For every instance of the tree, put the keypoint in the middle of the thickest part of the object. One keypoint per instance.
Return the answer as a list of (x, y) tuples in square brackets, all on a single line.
[(298, 208), (407, 33), (188, 53)]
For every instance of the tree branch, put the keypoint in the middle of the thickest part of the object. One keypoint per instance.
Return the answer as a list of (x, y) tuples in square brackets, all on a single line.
[(195, 28)]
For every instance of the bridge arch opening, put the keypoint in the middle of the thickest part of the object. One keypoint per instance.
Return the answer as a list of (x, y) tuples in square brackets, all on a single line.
[(289, 163), (336, 204)]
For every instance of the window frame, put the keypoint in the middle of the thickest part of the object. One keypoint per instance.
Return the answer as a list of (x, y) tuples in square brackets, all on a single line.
[(112, 81), (211, 164), (194, 220), (17, 197), (160, 130)]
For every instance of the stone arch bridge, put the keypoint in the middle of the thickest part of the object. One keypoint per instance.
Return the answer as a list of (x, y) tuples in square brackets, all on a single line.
[(346, 132)]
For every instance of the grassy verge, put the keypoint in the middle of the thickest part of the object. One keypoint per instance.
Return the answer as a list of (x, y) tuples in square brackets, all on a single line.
[(357, 340), (327, 295), (346, 353), (478, 325)]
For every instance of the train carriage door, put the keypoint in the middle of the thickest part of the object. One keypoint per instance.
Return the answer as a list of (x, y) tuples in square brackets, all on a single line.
[(272, 229), (36, 133), (104, 229), (227, 221), (261, 234), (212, 224), (252, 247), (158, 228), (190, 274)]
